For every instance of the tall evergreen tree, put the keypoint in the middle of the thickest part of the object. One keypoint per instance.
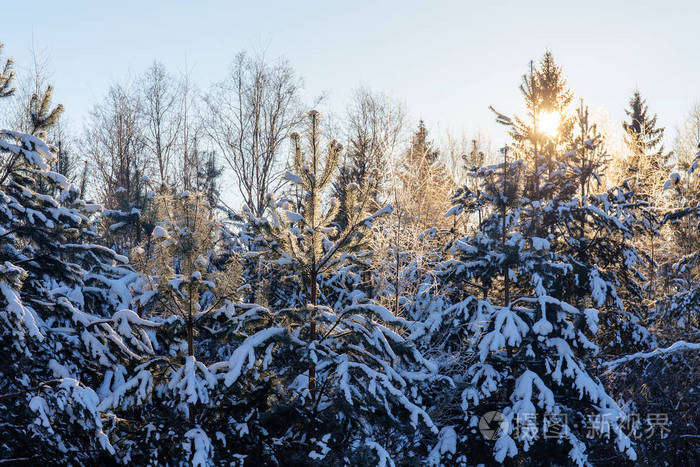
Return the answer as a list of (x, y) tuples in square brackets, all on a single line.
[(546, 132), (339, 389), (644, 139), (189, 290), (646, 169), (209, 177), (546, 260), (533, 338), (685, 303), (63, 307)]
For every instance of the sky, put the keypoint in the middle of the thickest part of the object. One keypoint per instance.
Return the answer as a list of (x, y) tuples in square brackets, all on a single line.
[(447, 61)]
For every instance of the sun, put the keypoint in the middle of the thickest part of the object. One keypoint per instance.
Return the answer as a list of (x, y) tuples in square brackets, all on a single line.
[(548, 123)]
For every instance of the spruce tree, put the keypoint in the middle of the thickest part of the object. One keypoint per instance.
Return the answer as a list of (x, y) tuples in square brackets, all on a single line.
[(683, 305), (645, 169), (533, 339), (190, 291), (209, 177), (537, 291), (424, 185), (644, 139), (64, 312), (547, 130)]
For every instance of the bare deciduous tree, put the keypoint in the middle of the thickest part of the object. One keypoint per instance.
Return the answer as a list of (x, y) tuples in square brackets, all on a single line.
[(115, 146), (249, 115), (161, 107)]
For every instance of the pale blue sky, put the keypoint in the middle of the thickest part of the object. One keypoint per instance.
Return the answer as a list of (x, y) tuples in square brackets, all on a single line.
[(447, 61)]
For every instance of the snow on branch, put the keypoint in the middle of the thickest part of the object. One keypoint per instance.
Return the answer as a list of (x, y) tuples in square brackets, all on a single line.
[(293, 178), (676, 347), (246, 352)]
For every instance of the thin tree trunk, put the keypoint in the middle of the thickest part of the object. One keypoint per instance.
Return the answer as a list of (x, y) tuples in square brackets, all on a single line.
[(190, 347), (312, 332), (397, 271), (506, 279), (314, 285)]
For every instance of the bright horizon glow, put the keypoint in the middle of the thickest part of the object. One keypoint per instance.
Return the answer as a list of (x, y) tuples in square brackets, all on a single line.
[(548, 123)]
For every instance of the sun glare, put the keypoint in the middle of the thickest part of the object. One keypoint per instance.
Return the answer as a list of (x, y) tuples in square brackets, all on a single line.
[(548, 123)]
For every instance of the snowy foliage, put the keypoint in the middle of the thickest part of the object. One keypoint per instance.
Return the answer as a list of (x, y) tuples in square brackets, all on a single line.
[(315, 330), (62, 313)]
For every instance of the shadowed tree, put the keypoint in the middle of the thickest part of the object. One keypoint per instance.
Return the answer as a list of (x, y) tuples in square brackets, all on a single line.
[(336, 351)]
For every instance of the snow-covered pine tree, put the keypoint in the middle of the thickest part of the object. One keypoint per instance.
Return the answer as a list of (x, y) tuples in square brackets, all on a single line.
[(594, 229), (649, 380), (549, 268), (685, 217), (63, 313), (63, 318), (682, 192), (564, 156), (188, 289), (338, 382)]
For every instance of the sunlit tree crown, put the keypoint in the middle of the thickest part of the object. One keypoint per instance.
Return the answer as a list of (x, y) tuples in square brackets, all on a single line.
[(642, 134), (42, 115), (647, 160), (303, 231)]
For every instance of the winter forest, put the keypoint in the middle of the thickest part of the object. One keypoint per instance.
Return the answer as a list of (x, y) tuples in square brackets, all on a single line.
[(226, 274)]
